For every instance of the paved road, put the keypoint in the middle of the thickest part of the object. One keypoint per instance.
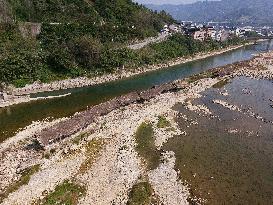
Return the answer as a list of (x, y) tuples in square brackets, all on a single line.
[(159, 38)]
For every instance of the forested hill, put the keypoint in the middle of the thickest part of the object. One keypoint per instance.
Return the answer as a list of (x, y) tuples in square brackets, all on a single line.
[(50, 40), (259, 12), (117, 12), (77, 36)]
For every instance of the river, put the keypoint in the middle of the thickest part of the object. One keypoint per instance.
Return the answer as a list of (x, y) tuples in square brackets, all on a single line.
[(227, 159), (19, 116)]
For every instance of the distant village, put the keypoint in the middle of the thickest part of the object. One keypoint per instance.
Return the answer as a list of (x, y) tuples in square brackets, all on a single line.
[(216, 31)]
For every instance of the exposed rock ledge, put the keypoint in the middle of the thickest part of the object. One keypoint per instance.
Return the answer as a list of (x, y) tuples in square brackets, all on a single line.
[(81, 120)]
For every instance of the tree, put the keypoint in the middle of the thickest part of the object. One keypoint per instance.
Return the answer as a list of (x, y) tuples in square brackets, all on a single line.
[(87, 51)]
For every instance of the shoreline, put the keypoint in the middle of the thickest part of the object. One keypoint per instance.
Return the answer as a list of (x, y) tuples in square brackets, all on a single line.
[(27, 98), (117, 165), (261, 64), (22, 95), (117, 160)]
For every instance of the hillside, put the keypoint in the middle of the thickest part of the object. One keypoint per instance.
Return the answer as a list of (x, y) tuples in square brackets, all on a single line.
[(46, 40), (100, 12), (80, 11), (257, 12), (77, 36)]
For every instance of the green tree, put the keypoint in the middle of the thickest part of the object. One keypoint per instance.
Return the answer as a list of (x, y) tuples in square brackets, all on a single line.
[(87, 51)]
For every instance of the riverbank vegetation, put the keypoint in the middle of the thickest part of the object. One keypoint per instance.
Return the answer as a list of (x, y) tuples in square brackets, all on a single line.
[(146, 147), (163, 122), (85, 39), (66, 193), (75, 38), (24, 179), (141, 193)]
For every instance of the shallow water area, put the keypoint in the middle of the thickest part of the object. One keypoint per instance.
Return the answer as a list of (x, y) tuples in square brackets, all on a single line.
[(226, 157)]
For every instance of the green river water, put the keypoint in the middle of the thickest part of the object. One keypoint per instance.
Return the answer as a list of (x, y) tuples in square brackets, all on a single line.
[(17, 117)]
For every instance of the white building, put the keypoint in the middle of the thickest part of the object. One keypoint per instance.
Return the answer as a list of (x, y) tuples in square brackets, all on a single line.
[(240, 32), (247, 28), (173, 28), (165, 30), (222, 35)]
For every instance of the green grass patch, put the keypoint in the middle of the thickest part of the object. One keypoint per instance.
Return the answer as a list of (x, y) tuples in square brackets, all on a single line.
[(48, 154), (19, 83), (221, 84), (79, 138), (197, 77), (140, 194), (146, 147), (24, 179), (163, 122), (171, 129), (93, 149), (66, 193)]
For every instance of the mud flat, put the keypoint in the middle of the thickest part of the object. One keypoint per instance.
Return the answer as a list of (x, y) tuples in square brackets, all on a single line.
[(97, 150)]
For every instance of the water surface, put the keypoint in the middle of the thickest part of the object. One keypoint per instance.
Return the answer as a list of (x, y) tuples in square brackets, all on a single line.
[(228, 159), (19, 116)]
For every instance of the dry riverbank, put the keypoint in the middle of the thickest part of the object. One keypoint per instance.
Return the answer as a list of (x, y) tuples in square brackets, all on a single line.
[(105, 156), (114, 171), (19, 95)]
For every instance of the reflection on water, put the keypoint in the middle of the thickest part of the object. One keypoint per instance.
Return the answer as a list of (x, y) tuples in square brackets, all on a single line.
[(228, 159), (19, 116)]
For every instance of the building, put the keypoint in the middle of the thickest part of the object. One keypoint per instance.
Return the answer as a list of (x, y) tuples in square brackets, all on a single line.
[(225, 35), (165, 30), (186, 24), (174, 28), (203, 32), (197, 33), (211, 32), (200, 35), (239, 32), (248, 28)]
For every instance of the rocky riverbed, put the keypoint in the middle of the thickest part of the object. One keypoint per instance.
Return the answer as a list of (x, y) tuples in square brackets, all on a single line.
[(106, 153)]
